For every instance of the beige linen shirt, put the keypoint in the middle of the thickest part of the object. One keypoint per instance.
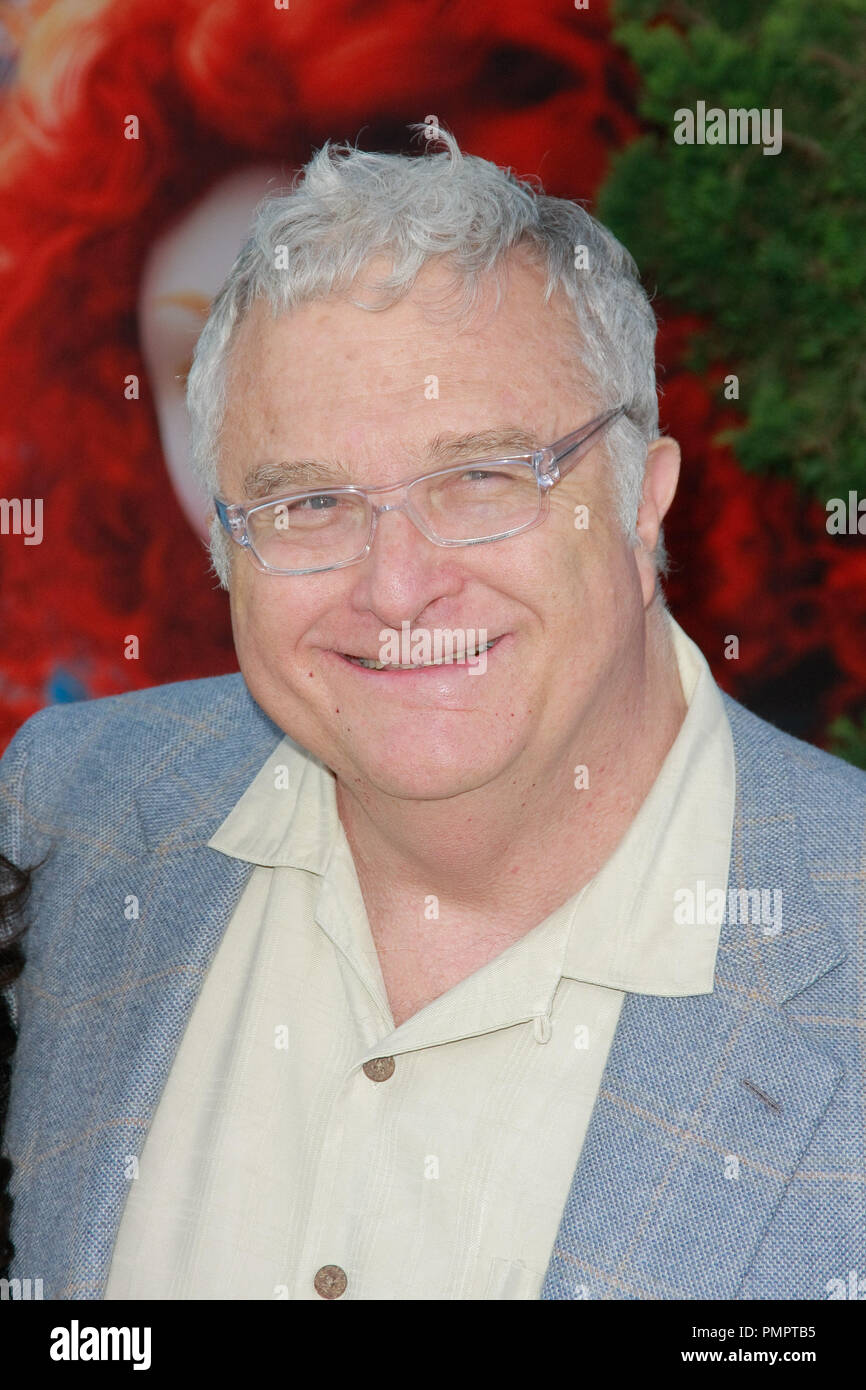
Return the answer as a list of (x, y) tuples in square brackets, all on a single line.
[(274, 1154)]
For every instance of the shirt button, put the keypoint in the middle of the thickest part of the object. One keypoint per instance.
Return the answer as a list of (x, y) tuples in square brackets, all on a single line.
[(330, 1281), (379, 1069)]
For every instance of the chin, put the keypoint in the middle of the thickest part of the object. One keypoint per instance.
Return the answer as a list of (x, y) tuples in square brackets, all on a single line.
[(425, 779)]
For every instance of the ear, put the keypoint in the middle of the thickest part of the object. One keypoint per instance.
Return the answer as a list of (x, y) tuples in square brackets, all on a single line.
[(661, 475)]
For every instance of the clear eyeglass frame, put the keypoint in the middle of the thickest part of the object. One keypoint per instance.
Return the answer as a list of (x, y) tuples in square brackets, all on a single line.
[(547, 465)]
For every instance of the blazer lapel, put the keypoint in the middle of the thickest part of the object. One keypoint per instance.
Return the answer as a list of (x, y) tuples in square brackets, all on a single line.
[(707, 1103)]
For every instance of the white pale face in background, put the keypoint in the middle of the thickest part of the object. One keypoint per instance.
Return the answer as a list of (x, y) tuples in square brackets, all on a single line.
[(183, 271)]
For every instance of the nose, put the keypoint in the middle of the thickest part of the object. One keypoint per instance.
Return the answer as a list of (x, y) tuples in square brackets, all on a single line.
[(404, 572), (402, 540)]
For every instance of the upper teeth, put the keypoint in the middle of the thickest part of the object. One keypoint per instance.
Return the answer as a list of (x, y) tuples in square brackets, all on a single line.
[(417, 665)]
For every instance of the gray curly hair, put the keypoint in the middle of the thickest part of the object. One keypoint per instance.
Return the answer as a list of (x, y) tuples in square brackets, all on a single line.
[(347, 206)]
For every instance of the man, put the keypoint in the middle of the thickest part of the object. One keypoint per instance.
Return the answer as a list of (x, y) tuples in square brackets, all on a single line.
[(469, 944)]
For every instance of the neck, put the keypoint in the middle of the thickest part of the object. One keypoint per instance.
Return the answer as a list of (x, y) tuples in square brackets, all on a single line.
[(472, 851)]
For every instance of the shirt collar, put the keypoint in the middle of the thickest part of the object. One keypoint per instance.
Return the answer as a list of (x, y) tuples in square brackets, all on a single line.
[(287, 817)]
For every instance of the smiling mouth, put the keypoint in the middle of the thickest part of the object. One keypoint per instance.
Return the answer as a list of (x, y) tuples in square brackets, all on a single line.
[(462, 660)]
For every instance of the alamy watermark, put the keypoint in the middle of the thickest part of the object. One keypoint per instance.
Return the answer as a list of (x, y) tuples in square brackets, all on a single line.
[(438, 646), (20, 1290), (77, 1343), (22, 516), (713, 906), (736, 126), (846, 518)]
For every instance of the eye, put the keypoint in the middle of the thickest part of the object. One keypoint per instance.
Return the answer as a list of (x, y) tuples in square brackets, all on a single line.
[(320, 502), (476, 474)]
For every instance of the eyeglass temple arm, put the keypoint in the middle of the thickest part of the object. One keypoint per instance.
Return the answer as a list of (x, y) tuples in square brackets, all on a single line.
[(222, 510), (579, 443)]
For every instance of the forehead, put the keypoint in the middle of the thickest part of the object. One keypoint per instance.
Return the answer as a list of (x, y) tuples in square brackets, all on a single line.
[(341, 334), (333, 378)]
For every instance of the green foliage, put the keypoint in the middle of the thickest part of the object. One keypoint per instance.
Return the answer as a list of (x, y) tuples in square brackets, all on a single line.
[(770, 250), (848, 740)]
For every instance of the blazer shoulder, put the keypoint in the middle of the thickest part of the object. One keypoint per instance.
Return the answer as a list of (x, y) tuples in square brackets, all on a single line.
[(161, 714), (74, 761), (783, 780), (810, 767)]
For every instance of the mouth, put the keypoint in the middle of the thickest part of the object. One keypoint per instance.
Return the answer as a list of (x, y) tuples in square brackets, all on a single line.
[(465, 658)]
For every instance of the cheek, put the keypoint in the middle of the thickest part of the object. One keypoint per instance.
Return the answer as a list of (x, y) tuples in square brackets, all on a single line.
[(591, 549), (593, 597), (265, 628), (572, 561)]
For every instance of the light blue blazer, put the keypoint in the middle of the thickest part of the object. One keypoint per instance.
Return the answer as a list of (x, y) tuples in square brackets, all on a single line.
[(726, 1154)]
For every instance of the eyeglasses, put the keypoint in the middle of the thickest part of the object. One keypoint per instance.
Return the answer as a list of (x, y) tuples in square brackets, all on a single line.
[(469, 504)]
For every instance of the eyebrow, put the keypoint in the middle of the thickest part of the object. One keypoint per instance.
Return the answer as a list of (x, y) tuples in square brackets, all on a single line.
[(444, 448)]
